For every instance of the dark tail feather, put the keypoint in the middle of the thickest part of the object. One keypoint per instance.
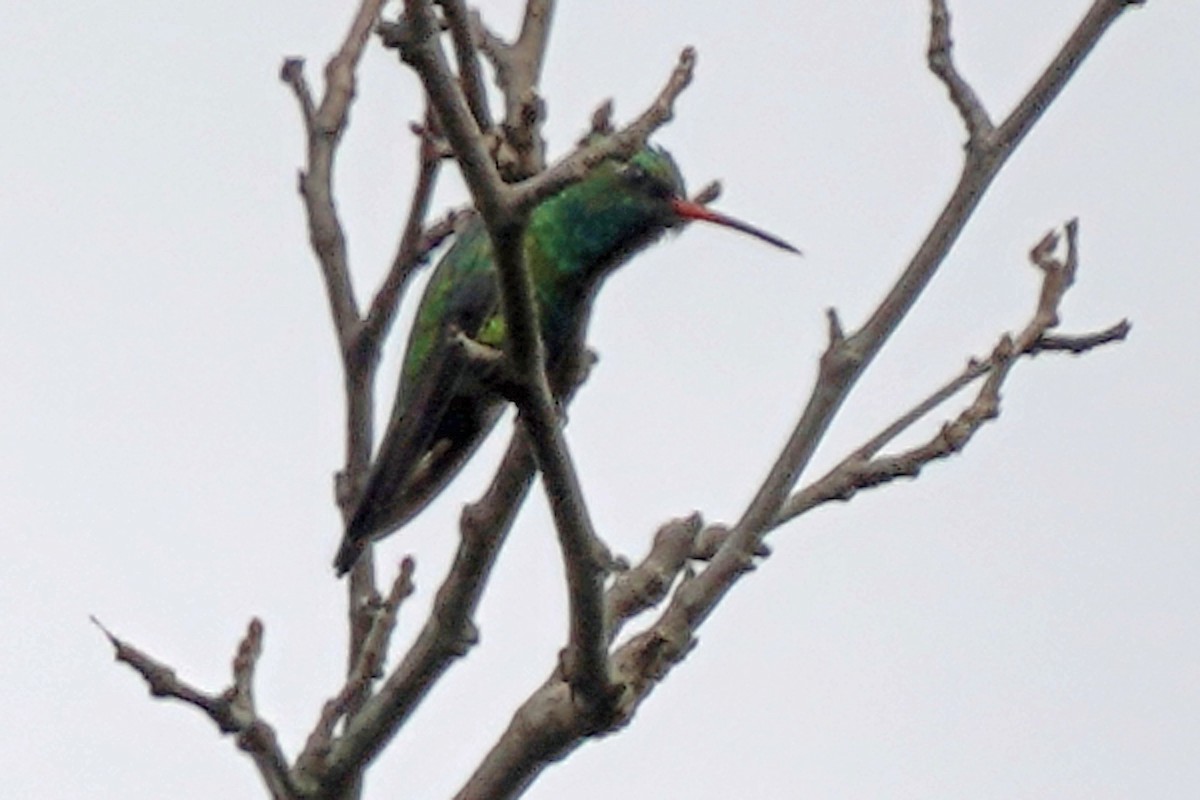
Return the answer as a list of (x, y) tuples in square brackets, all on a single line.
[(410, 434), (348, 553)]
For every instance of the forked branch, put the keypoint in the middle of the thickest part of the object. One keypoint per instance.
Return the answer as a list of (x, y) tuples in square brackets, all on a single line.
[(548, 725), (232, 711)]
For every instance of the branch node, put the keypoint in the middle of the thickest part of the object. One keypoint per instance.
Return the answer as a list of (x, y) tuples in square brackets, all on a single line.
[(602, 124), (837, 336)]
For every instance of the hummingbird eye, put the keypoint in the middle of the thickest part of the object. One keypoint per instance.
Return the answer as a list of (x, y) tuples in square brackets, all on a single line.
[(633, 173), (639, 178)]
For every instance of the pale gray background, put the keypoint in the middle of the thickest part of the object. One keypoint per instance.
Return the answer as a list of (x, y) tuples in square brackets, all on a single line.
[(1020, 623)]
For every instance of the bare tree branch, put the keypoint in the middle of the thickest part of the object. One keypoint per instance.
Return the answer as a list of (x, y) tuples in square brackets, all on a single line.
[(1052, 80), (544, 729), (415, 245), (847, 358), (1080, 343), (941, 63), (449, 631), (232, 710), (647, 584), (311, 761), (583, 554), (861, 469), (548, 725), (621, 144), (416, 38), (642, 587), (645, 659), (470, 75), (518, 69), (325, 123), (316, 187)]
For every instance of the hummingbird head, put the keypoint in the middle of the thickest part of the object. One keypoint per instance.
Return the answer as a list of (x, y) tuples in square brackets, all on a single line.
[(589, 229), (653, 175)]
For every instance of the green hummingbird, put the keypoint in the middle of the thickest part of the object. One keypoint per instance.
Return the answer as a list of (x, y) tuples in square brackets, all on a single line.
[(444, 407)]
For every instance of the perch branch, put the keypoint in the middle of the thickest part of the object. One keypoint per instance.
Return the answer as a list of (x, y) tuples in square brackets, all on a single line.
[(584, 555), (449, 631)]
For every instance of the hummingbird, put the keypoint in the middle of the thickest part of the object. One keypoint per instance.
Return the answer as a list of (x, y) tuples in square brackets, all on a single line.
[(445, 407)]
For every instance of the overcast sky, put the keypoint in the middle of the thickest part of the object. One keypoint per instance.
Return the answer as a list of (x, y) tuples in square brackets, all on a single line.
[(1020, 622)]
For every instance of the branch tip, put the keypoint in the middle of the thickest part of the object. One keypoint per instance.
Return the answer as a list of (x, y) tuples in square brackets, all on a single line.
[(292, 69), (602, 123), (837, 336)]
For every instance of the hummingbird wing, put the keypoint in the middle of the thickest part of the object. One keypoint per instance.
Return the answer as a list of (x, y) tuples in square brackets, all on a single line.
[(443, 409)]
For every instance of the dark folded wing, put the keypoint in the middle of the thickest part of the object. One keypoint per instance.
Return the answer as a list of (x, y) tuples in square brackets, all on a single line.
[(443, 411)]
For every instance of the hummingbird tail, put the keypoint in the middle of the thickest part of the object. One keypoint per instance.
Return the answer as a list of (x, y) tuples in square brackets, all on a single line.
[(348, 554)]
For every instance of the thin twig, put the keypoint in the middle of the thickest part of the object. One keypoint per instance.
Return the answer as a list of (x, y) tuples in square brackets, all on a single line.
[(316, 187), (416, 39), (650, 655), (518, 70), (860, 470), (232, 710), (470, 75), (621, 144), (415, 244), (310, 762), (449, 632), (1080, 343), (941, 63), (647, 584), (325, 124)]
